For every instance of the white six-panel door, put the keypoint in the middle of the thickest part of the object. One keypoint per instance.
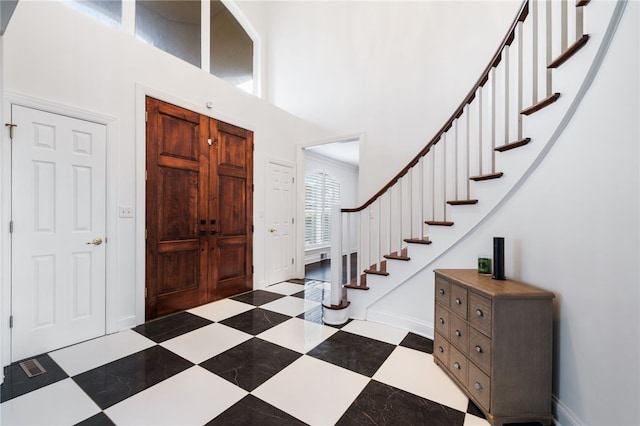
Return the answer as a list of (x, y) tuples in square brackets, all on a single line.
[(280, 244), (58, 238)]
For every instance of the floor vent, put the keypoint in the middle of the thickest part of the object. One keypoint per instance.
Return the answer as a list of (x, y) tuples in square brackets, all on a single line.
[(32, 368)]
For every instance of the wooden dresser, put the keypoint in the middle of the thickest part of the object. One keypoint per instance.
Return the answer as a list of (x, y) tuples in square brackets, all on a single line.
[(494, 339)]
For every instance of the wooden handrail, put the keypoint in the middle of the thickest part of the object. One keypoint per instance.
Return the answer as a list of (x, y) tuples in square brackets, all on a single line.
[(484, 77)]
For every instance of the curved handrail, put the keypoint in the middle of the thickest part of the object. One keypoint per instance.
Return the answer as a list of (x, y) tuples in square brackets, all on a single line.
[(484, 77)]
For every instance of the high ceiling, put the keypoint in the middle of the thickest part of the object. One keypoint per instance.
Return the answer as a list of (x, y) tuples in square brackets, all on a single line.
[(345, 151)]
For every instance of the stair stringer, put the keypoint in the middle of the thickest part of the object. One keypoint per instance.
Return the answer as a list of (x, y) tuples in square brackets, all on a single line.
[(544, 128)]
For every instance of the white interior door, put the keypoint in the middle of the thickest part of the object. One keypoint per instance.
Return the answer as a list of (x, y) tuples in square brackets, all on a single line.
[(58, 217), (280, 243)]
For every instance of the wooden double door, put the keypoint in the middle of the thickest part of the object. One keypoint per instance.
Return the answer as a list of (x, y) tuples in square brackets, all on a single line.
[(199, 209)]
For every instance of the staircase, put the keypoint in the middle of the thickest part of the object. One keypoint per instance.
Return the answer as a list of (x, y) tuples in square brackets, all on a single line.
[(483, 153)]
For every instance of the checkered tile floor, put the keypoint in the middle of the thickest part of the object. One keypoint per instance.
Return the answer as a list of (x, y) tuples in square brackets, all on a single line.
[(261, 358)]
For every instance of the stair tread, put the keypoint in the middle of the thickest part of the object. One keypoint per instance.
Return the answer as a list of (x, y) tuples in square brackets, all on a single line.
[(424, 240), (513, 145), (374, 272), (461, 202), (438, 223), (572, 50), (487, 176), (356, 287), (396, 257), (540, 105)]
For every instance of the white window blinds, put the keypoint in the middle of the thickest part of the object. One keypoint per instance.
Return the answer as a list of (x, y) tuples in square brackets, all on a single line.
[(321, 193)]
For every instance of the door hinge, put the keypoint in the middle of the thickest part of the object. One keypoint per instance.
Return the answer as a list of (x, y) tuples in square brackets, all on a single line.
[(252, 228), (146, 175), (145, 233), (252, 269), (253, 187), (293, 180), (11, 227), (10, 321), (11, 126), (292, 260), (145, 292), (146, 116), (293, 220)]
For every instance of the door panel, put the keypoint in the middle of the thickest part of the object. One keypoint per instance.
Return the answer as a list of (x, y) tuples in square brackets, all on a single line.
[(176, 179), (178, 211), (280, 207), (58, 209), (233, 147), (232, 270), (199, 209), (232, 202), (231, 189)]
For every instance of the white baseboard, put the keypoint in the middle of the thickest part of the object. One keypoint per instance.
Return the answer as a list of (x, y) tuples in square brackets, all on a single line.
[(127, 323), (563, 416), (407, 323)]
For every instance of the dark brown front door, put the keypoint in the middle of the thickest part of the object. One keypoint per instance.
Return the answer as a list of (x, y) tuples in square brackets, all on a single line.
[(232, 201), (199, 205)]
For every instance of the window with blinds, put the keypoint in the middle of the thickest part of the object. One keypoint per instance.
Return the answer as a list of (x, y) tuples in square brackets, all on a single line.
[(321, 193)]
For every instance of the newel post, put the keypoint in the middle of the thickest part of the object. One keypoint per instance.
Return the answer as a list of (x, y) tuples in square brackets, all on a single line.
[(335, 309)]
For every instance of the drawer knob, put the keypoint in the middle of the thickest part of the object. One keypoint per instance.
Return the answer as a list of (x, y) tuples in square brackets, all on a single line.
[(442, 291), (458, 333), (441, 320), (478, 349), (478, 386), (440, 349), (458, 301), (479, 312), (456, 365)]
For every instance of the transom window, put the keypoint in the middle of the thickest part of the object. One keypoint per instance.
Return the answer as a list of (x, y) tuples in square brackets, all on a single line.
[(107, 11), (218, 44), (173, 26), (322, 192), (231, 48)]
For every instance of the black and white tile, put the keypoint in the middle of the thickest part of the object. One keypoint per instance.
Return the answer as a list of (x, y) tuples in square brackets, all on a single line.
[(263, 357)]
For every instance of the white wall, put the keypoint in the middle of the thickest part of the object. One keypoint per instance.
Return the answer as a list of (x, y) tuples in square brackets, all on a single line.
[(344, 173), (57, 54), (5, 246), (574, 228), (395, 69)]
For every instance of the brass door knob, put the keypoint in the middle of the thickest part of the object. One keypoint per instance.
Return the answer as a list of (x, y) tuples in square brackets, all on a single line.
[(272, 230), (96, 241)]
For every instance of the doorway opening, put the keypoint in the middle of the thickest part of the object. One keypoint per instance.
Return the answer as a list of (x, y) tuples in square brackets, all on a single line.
[(199, 209), (331, 172)]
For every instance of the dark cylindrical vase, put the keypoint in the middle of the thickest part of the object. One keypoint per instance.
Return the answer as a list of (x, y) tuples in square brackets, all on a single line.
[(498, 258)]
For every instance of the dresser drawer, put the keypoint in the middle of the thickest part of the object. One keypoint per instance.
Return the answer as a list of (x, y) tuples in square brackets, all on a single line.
[(458, 364), (480, 349), (441, 350), (442, 320), (459, 301), (459, 334), (480, 313), (443, 288), (479, 386)]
